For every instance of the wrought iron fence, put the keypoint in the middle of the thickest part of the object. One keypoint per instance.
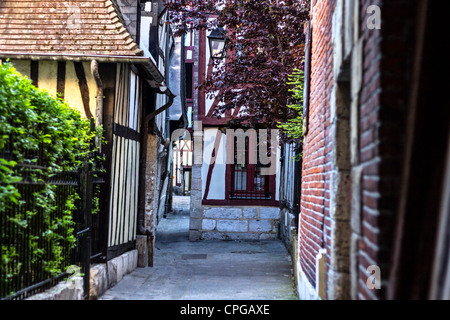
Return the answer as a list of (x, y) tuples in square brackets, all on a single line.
[(98, 219), (297, 181), (27, 274), (34, 256), (291, 179)]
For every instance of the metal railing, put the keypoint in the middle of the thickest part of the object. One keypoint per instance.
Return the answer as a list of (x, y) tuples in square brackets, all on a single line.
[(27, 254), (250, 195)]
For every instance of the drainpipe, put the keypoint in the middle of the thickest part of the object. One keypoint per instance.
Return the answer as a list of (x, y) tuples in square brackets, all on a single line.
[(168, 159), (183, 81), (141, 214), (147, 119)]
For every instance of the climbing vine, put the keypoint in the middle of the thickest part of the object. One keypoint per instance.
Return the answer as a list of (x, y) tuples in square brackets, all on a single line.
[(293, 127)]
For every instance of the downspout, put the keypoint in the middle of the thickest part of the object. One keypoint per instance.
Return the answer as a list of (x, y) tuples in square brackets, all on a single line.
[(143, 164), (168, 158), (183, 81), (147, 119)]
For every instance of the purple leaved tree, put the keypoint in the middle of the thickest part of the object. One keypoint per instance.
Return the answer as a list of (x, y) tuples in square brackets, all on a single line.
[(266, 43)]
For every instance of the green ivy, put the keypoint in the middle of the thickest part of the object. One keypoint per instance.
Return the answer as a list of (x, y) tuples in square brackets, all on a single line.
[(40, 136), (293, 128)]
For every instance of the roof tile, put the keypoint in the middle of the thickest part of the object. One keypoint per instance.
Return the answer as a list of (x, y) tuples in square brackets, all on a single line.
[(61, 27)]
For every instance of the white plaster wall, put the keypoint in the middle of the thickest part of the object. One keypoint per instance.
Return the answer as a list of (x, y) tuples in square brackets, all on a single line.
[(208, 102), (217, 187), (48, 74), (22, 66), (161, 100), (72, 92), (47, 80), (145, 31), (144, 43), (133, 123)]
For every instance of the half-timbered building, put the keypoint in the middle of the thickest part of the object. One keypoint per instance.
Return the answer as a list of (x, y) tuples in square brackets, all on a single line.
[(234, 195), (109, 60)]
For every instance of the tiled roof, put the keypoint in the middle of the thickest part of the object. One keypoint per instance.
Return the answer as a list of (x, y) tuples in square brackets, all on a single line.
[(59, 27)]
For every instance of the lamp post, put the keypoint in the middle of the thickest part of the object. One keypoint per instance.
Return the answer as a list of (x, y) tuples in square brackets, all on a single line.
[(217, 43)]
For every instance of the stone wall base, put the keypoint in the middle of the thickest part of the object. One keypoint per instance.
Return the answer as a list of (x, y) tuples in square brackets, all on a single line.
[(305, 290), (288, 230), (234, 223), (105, 276), (70, 289)]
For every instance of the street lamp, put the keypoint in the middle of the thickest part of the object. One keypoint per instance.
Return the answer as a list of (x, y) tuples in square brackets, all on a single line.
[(217, 43)]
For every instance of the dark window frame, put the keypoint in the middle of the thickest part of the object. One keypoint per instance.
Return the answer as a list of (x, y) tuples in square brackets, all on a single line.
[(249, 191)]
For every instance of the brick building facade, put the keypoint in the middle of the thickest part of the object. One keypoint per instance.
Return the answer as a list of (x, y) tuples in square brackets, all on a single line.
[(361, 166)]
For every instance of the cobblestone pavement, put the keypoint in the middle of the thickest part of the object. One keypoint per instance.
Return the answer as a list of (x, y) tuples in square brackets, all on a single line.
[(207, 270)]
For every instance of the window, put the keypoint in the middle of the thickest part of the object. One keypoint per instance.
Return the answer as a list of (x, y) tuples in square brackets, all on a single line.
[(247, 181)]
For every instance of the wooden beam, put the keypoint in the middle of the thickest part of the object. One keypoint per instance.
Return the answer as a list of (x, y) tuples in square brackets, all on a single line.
[(84, 89), (34, 72), (61, 79)]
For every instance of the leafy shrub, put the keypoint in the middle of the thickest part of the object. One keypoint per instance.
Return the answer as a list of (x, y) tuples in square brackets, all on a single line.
[(40, 138)]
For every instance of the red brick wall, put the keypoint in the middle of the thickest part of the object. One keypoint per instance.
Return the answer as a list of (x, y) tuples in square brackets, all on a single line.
[(387, 56), (314, 227), (369, 151)]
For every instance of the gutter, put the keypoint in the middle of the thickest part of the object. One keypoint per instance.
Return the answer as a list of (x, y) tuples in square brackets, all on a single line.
[(73, 57), (150, 71), (146, 64)]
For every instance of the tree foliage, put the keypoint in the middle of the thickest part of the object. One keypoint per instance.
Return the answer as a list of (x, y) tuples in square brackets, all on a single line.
[(266, 45)]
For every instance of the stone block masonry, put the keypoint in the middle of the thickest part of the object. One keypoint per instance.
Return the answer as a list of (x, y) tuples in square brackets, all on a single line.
[(235, 223), (70, 289), (102, 277)]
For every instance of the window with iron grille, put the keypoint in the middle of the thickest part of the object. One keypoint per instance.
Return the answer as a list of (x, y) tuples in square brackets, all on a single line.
[(247, 180)]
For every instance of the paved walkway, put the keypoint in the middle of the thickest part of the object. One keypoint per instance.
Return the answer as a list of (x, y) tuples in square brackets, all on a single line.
[(207, 270)]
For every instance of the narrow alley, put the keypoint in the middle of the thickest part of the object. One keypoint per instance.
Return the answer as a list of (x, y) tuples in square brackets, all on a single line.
[(207, 270), (253, 150)]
